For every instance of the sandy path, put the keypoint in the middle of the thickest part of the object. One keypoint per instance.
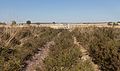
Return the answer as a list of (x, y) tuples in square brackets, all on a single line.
[(37, 59)]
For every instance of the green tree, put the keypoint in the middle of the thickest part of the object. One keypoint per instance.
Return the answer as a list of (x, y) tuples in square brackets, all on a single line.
[(28, 22), (2, 23), (13, 22)]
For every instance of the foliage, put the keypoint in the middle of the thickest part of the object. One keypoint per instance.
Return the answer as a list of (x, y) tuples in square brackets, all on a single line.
[(13, 22), (23, 46), (2, 23), (65, 56), (28, 22), (103, 46)]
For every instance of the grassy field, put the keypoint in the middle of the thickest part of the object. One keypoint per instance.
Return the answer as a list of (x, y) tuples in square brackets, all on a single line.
[(20, 44)]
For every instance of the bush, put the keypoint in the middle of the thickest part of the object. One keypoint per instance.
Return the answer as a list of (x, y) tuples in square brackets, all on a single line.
[(28, 22), (65, 56), (103, 46), (24, 33), (2, 23), (23, 46), (13, 22)]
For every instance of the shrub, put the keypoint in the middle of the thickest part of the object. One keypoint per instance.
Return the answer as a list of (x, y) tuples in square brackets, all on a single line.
[(13, 58), (2, 23), (103, 46), (13, 22), (28, 22), (65, 56)]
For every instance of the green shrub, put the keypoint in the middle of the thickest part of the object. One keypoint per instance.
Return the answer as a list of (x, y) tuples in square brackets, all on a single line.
[(65, 56), (14, 23), (103, 46), (23, 46), (28, 22)]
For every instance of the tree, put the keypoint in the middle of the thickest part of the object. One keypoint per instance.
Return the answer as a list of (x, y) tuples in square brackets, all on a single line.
[(2, 23), (54, 23), (109, 23), (28, 22), (13, 22), (114, 23), (118, 22)]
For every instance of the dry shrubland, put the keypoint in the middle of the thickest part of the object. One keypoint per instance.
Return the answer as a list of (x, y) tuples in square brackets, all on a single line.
[(20, 44), (103, 45)]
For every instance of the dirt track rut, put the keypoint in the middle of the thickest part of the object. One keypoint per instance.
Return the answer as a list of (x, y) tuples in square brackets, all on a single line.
[(85, 55), (37, 59)]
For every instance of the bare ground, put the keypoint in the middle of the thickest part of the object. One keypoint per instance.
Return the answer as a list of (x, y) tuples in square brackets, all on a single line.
[(37, 59)]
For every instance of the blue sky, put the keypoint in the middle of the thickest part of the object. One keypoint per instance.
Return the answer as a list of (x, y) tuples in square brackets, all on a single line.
[(59, 10)]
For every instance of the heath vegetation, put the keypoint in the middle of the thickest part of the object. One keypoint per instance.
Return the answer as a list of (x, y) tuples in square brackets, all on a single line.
[(19, 45)]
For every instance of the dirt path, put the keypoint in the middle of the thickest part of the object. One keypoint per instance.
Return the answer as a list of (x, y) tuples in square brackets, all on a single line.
[(85, 55), (37, 59)]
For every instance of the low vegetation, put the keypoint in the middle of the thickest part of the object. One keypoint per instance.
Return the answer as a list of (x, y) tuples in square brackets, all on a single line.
[(66, 56), (24, 45), (103, 46), (2, 23), (17, 45)]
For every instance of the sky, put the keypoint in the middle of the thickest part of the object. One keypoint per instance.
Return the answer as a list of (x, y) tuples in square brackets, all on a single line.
[(59, 10)]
